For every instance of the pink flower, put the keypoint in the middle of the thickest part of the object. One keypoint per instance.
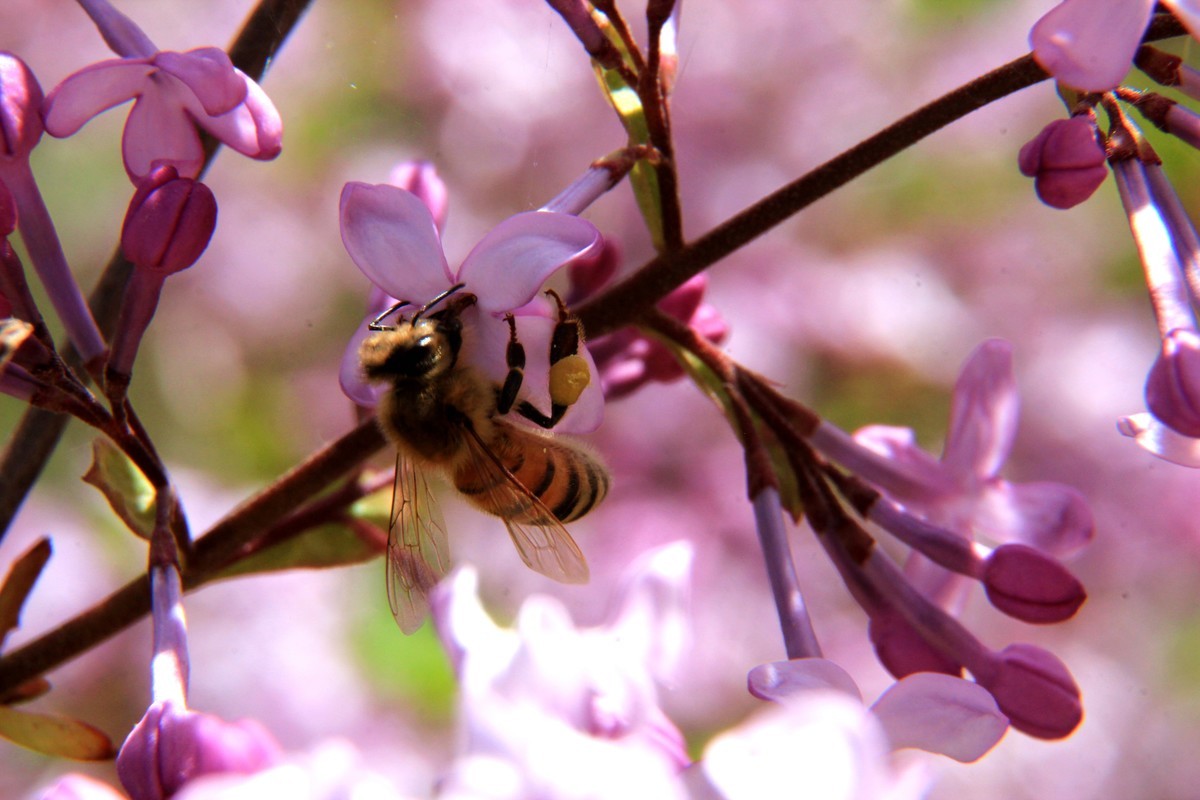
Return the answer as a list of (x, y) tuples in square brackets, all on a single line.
[(173, 745), (172, 94), (586, 695), (963, 490), (391, 236), (817, 739), (1090, 44)]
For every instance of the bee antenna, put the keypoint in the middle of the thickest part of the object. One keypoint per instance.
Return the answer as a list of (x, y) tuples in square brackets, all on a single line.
[(377, 323), (437, 300)]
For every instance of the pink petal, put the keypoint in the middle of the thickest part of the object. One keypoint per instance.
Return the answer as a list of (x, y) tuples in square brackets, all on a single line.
[(1052, 517), (782, 679), (158, 133), (941, 714), (209, 75), (253, 128), (92, 90), (1089, 44), (350, 373), (508, 267), (983, 416), (1188, 12), (390, 235)]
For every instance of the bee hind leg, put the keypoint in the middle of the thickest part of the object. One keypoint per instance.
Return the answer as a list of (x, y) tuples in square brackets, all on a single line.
[(569, 373)]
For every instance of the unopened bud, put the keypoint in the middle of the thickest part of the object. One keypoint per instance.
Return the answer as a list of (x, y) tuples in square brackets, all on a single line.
[(1036, 691), (1173, 385), (1066, 162), (902, 650), (171, 746), (1028, 584), (422, 179), (20, 108), (169, 222)]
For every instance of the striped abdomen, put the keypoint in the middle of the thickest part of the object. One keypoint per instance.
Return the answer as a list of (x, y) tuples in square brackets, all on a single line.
[(568, 480)]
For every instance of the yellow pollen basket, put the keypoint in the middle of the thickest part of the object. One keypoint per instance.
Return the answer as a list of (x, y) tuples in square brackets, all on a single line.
[(568, 378)]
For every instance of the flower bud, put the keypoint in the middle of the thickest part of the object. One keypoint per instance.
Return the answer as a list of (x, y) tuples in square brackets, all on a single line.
[(171, 746), (1030, 585), (1173, 385), (1036, 691), (902, 650), (169, 222), (1066, 162), (422, 179), (20, 108), (593, 272)]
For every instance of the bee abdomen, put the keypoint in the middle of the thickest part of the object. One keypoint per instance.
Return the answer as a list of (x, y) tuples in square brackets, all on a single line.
[(569, 482)]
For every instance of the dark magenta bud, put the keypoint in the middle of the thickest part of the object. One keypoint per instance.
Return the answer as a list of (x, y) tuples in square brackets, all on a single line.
[(902, 650), (169, 222), (1028, 584), (1066, 161), (1035, 691), (171, 746)]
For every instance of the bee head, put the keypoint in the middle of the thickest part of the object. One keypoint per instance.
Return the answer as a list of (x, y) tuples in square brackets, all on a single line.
[(419, 348)]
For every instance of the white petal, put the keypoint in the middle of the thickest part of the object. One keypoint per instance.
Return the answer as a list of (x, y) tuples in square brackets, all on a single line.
[(1161, 440)]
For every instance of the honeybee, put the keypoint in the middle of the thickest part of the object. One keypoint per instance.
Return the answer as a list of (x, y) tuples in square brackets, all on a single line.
[(444, 416)]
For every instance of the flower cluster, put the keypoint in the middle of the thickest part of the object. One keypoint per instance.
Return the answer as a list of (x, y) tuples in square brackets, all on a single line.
[(1088, 46)]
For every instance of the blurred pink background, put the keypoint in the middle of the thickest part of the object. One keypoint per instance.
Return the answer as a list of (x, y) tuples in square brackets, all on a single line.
[(864, 306)]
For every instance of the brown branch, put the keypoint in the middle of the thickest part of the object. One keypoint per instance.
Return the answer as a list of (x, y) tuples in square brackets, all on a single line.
[(242, 526), (36, 436)]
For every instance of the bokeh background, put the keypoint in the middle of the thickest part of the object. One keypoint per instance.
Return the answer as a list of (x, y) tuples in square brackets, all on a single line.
[(863, 306)]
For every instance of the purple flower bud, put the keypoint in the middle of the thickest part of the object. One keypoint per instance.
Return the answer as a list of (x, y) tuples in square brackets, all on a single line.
[(1028, 584), (1066, 162), (422, 179), (1173, 385), (171, 746), (8, 211), (1036, 691), (169, 222), (903, 650), (20, 108), (593, 272)]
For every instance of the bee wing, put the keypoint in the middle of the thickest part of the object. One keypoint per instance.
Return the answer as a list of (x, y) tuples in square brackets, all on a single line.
[(417, 552), (546, 547)]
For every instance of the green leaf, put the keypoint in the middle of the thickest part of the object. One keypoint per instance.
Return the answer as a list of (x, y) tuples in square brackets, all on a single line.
[(123, 486), (21, 577), (55, 735)]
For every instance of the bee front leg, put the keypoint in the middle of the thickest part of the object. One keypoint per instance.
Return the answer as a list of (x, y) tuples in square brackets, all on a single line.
[(569, 373)]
